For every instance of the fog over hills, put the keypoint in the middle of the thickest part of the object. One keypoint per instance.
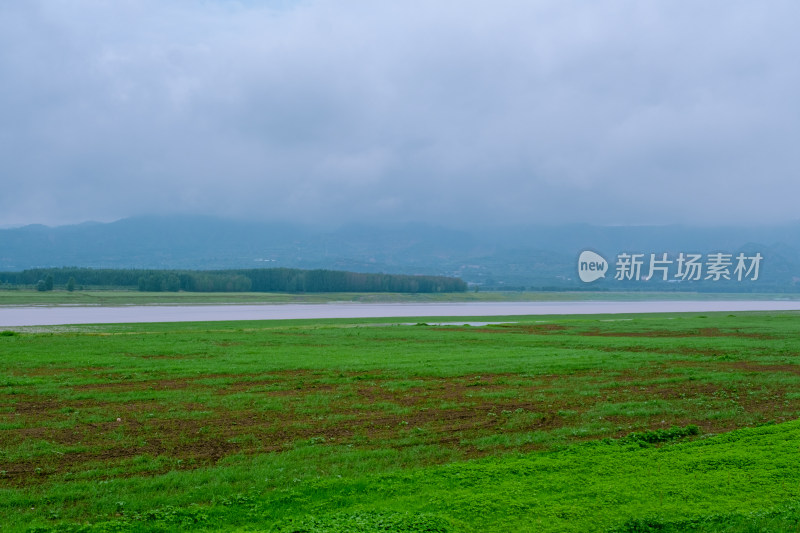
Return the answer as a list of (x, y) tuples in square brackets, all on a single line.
[(513, 257)]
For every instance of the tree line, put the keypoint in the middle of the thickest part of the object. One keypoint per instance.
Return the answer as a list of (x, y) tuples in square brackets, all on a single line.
[(237, 280)]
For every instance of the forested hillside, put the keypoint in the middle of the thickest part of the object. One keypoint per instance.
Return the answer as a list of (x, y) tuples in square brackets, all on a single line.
[(256, 280)]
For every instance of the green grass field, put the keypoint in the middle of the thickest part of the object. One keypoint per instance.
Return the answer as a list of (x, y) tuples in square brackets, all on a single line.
[(130, 297), (592, 423)]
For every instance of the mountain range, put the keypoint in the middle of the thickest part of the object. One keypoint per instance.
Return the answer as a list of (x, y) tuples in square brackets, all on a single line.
[(531, 257)]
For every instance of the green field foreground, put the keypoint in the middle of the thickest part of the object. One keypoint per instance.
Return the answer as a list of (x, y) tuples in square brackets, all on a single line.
[(592, 423)]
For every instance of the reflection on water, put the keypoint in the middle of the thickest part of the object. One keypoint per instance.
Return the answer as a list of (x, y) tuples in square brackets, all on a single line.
[(40, 316)]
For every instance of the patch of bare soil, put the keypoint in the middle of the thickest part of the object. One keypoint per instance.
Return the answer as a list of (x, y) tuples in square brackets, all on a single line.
[(365, 410), (655, 333), (749, 366), (683, 350)]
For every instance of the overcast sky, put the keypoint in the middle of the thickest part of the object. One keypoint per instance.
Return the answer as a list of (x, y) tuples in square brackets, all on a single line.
[(449, 112)]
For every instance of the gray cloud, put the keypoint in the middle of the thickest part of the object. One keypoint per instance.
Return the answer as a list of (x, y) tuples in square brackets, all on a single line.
[(448, 112)]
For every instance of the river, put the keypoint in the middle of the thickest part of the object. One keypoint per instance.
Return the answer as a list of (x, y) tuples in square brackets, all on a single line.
[(67, 315)]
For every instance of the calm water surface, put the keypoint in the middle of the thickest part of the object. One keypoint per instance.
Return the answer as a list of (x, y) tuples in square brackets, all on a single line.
[(50, 316)]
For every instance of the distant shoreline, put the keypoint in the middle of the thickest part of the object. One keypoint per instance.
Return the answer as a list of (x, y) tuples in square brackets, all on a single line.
[(114, 298)]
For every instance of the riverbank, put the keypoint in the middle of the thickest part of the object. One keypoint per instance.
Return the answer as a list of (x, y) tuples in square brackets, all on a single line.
[(111, 298), (581, 423)]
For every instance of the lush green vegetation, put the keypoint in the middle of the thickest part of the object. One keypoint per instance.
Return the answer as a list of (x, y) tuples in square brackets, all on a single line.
[(623, 423), (257, 280)]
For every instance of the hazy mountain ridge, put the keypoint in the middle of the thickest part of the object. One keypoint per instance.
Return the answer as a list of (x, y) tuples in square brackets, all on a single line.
[(534, 256)]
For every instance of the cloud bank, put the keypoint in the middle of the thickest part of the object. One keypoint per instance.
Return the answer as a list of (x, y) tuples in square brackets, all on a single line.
[(454, 113)]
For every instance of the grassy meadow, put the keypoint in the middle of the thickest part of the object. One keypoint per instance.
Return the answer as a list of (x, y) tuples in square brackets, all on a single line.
[(98, 297), (584, 423)]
